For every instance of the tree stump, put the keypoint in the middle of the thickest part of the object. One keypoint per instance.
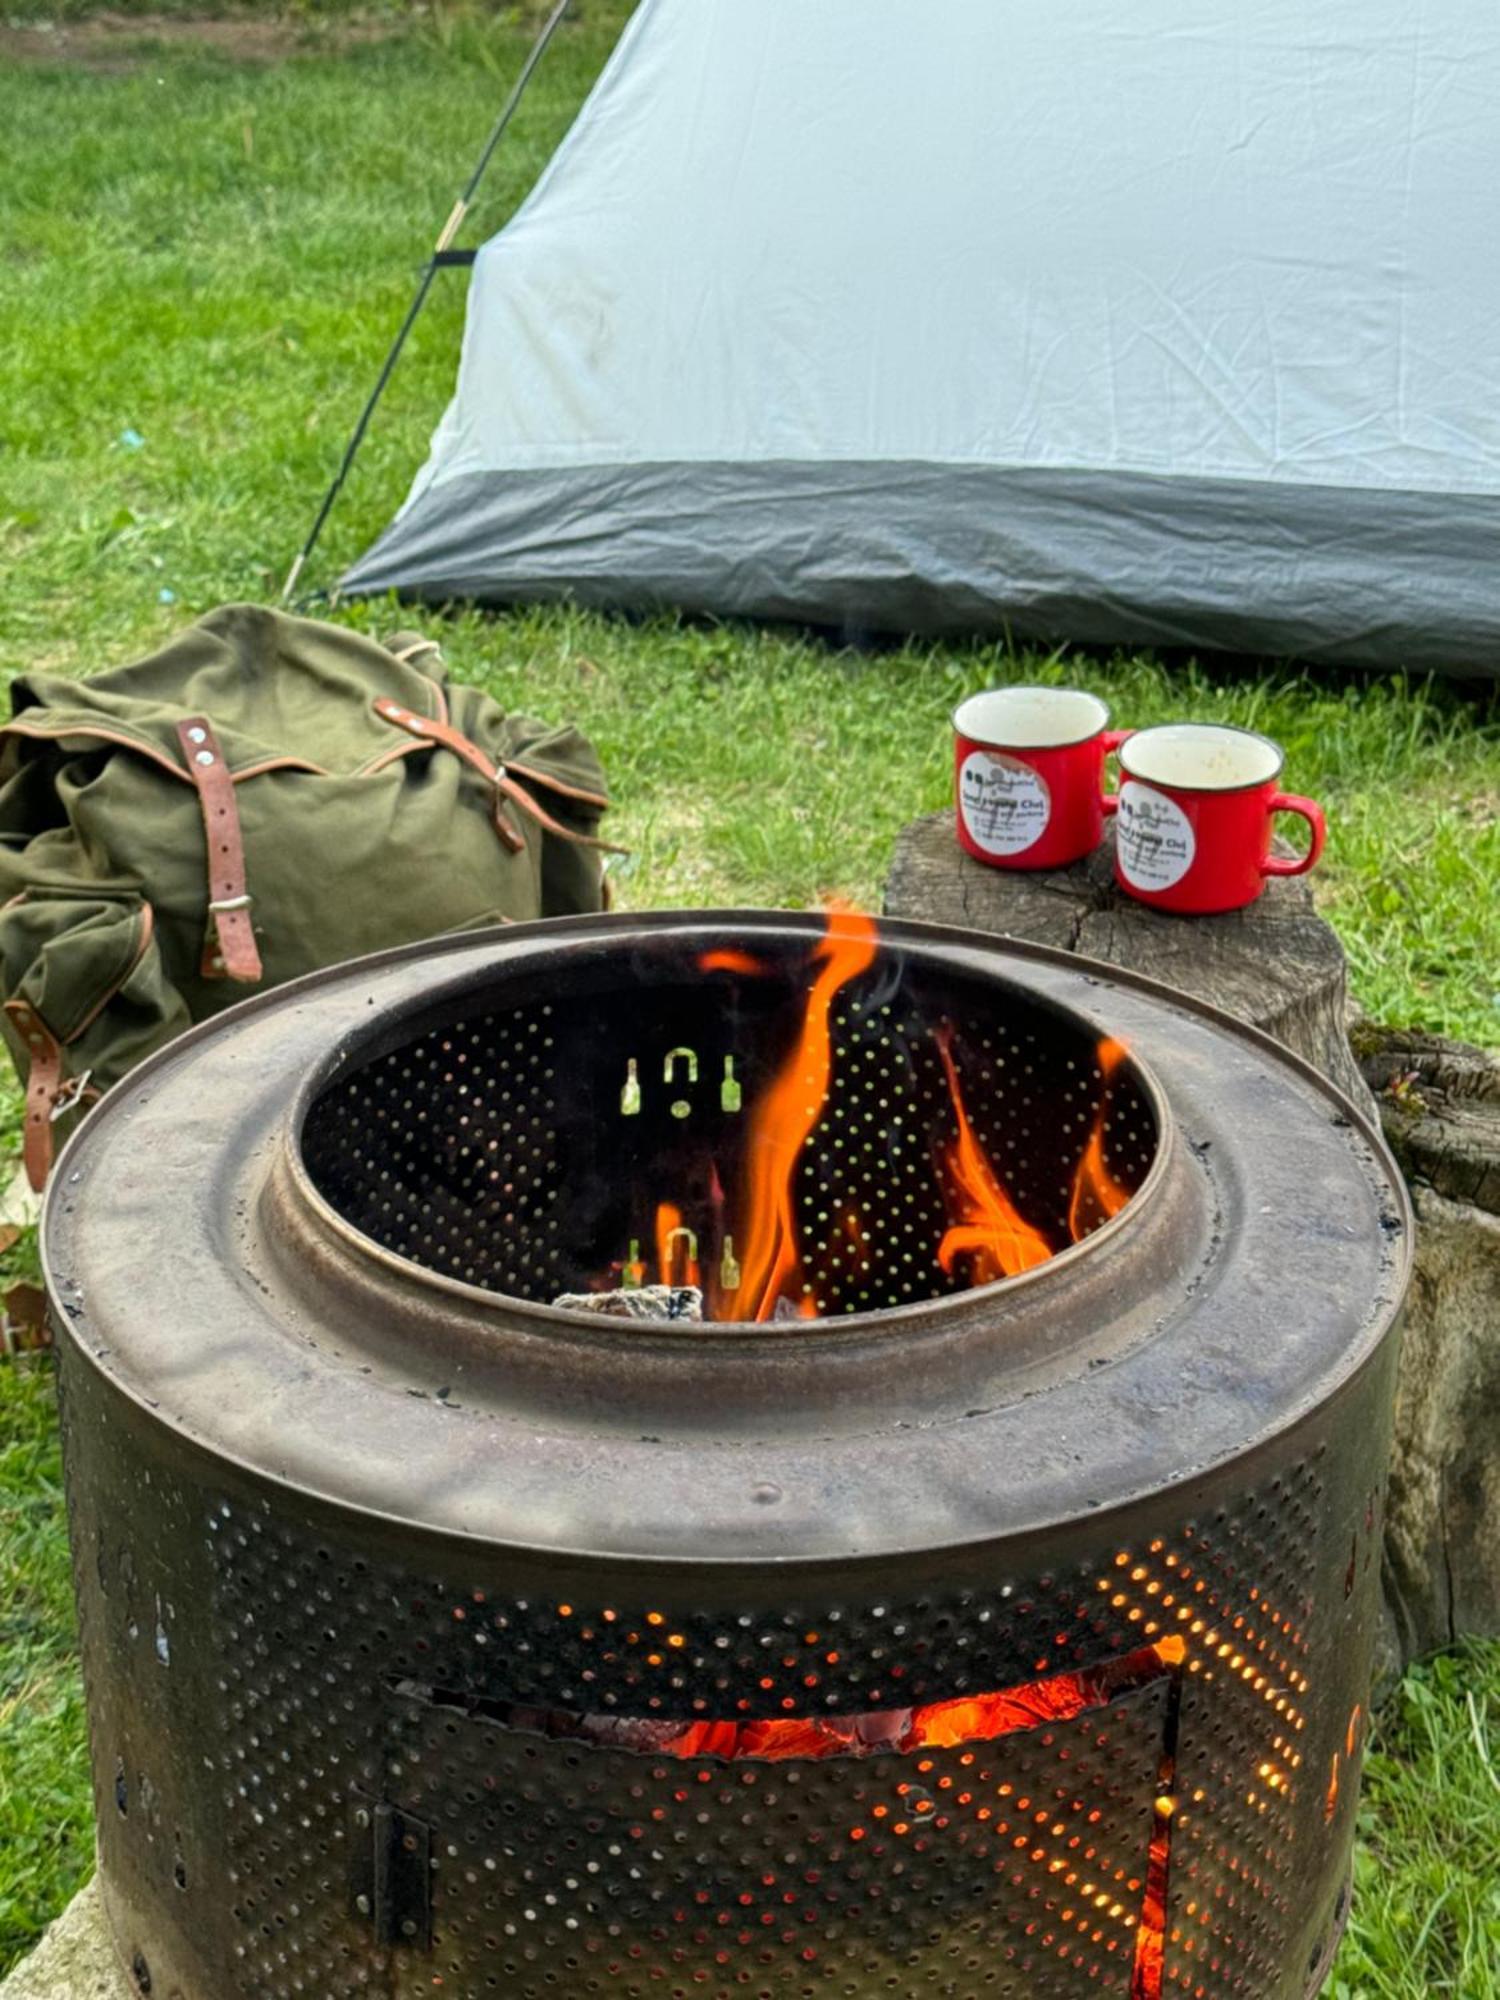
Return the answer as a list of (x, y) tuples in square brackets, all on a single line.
[(1280, 967), (1440, 1105)]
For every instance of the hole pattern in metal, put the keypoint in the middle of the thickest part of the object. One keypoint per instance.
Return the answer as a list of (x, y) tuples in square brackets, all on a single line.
[(503, 1149), (569, 1867)]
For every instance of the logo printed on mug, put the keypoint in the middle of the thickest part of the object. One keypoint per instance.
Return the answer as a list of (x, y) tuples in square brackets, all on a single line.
[(1005, 804), (1029, 775), (1197, 805), (1154, 837)]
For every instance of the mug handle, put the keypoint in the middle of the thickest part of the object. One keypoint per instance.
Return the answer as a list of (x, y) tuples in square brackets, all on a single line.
[(1113, 738), (1313, 814)]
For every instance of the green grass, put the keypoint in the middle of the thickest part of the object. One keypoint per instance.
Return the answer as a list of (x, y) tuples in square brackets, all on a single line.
[(209, 257), (46, 1822), (294, 14), (1427, 1874)]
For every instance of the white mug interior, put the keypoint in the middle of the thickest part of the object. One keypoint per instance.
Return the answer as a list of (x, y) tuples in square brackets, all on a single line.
[(1201, 757), (1031, 718)]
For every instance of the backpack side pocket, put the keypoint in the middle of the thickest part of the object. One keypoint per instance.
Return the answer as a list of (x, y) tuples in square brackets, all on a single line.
[(86, 997)]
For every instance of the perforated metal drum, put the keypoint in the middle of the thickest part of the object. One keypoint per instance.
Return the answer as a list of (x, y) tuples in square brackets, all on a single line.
[(525, 1146), (979, 1603)]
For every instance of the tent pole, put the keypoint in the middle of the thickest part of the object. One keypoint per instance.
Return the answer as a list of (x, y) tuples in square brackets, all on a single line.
[(434, 263)]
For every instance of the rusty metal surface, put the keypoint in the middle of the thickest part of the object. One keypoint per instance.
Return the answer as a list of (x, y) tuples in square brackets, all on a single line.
[(335, 1516)]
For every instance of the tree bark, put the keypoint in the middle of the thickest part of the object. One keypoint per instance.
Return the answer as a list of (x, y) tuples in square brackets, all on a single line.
[(1440, 1105)]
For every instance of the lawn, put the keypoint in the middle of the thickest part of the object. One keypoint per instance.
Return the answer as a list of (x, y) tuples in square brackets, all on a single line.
[(204, 255)]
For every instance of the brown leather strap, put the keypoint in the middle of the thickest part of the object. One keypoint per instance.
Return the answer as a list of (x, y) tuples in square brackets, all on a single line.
[(539, 813), (43, 1085), (230, 953), (505, 786), (455, 740), (434, 731)]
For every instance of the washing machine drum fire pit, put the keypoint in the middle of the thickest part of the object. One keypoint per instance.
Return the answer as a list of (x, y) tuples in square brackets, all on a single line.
[(977, 1601)]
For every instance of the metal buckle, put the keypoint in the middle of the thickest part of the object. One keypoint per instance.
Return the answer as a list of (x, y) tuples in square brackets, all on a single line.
[(70, 1095)]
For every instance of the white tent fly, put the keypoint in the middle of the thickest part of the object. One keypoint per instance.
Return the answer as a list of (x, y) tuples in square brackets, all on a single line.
[(1175, 322)]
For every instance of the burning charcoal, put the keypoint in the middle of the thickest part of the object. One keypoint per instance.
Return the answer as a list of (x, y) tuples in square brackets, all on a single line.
[(888, 1728), (639, 1302), (629, 1732)]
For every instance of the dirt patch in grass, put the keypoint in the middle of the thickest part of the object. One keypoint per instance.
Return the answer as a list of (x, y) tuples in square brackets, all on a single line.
[(114, 43)]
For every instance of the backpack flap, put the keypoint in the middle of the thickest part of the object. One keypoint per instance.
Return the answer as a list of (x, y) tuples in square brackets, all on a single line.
[(540, 801), (262, 797)]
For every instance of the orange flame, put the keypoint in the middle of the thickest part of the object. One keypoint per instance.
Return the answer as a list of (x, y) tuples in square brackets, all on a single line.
[(771, 1259), (1351, 1745), (673, 1248), (730, 960), (1097, 1195), (992, 1232), (986, 1228), (1148, 1975), (1149, 1972)]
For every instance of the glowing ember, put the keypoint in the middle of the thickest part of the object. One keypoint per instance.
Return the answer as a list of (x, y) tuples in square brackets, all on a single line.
[(1148, 1975), (732, 961), (1097, 1195), (897, 1733), (980, 1718), (769, 1252), (1148, 1972), (990, 1232)]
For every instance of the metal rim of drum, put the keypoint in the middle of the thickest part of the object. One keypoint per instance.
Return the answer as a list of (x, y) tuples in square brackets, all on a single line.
[(1261, 1274)]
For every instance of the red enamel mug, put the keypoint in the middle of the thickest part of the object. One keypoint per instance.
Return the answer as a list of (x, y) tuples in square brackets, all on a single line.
[(1029, 775), (1195, 814)]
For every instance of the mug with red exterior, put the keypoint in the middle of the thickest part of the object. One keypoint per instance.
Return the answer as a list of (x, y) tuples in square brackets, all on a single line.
[(1195, 815), (1029, 775)]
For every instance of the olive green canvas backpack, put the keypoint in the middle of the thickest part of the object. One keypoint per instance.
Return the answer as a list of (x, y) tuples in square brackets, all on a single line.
[(261, 798)]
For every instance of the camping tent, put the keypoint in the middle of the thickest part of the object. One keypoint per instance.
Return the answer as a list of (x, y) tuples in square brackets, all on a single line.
[(1176, 322)]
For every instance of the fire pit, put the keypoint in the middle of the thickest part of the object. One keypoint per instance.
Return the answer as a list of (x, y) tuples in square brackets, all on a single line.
[(977, 1602)]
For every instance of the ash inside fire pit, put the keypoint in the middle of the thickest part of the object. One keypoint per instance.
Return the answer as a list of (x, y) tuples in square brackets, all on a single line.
[(801, 1134)]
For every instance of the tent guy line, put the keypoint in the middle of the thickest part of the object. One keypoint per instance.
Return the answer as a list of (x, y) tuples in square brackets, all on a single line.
[(444, 257)]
